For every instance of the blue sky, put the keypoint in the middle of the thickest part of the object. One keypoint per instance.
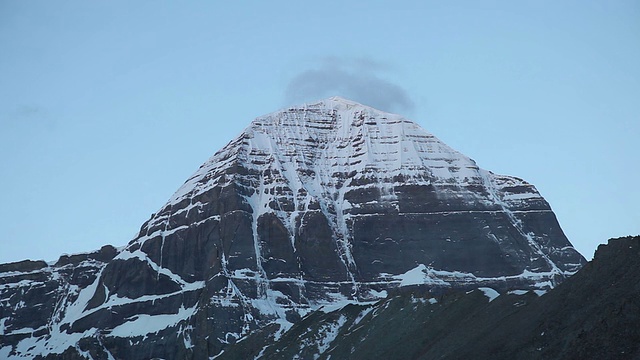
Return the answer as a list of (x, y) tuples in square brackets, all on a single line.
[(106, 108)]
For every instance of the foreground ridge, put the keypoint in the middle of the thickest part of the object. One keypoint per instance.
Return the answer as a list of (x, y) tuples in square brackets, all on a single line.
[(311, 208), (593, 315)]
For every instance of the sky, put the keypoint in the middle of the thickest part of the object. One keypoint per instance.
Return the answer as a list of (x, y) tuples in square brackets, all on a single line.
[(106, 108)]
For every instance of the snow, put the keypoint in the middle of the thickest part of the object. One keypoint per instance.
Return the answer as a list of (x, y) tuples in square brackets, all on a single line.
[(518, 292), (140, 255), (337, 302), (378, 294), (426, 275), (284, 327), (493, 184), (490, 293), (21, 283), (360, 316), (540, 292), (421, 300), (422, 274), (58, 343), (328, 335), (144, 324), (415, 276), (350, 137)]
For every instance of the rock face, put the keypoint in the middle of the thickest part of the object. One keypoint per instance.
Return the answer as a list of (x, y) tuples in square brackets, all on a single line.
[(312, 206), (593, 315)]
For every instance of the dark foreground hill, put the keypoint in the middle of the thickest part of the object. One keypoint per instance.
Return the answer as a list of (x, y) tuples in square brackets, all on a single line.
[(593, 315)]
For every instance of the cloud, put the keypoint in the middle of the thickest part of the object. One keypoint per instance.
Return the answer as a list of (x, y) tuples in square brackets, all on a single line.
[(355, 79)]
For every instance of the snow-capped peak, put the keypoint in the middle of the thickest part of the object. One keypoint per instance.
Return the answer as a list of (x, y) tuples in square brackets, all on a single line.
[(337, 135), (342, 104)]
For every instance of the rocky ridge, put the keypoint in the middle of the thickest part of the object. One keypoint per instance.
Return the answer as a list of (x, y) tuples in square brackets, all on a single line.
[(593, 315)]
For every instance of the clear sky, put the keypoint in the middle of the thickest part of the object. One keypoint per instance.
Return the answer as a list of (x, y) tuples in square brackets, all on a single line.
[(106, 108)]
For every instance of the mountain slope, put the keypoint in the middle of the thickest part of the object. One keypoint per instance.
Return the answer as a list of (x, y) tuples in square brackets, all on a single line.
[(313, 206), (593, 315)]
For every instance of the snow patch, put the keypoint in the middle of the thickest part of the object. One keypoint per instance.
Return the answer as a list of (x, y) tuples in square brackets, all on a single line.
[(518, 292), (490, 293), (540, 292), (328, 334), (144, 324)]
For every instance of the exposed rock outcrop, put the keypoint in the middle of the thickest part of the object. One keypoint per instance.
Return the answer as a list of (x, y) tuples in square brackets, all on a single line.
[(593, 315)]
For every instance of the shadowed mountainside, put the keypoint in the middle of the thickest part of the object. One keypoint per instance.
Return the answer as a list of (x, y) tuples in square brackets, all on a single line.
[(595, 314)]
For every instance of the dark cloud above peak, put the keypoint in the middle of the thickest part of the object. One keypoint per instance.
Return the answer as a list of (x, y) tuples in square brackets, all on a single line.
[(356, 79)]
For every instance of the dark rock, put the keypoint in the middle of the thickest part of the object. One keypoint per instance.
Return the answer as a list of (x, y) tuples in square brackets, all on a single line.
[(593, 315), (23, 266)]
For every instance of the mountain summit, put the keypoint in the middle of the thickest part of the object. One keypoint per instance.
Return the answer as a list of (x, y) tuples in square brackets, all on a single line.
[(311, 207)]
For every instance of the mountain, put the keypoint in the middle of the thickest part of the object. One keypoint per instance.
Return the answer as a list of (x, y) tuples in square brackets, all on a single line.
[(593, 315), (311, 208)]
